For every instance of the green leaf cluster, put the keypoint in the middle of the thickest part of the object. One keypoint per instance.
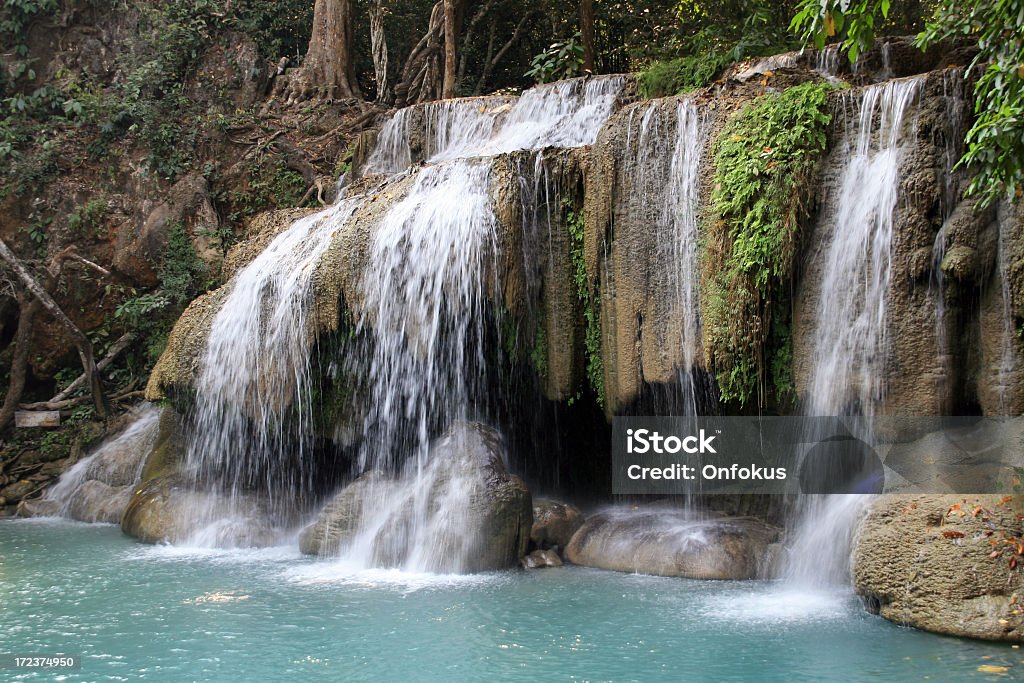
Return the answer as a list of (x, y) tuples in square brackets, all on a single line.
[(995, 143), (764, 159), (561, 59), (663, 79), (854, 22)]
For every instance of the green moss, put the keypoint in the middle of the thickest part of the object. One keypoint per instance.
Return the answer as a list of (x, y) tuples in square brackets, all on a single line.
[(764, 158), (591, 314), (663, 79)]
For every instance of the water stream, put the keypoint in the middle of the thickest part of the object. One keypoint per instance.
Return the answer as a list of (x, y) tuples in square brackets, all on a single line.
[(850, 333)]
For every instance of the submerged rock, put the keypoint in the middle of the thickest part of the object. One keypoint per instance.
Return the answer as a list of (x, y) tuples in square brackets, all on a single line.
[(673, 543), (463, 513), (942, 563), (554, 523)]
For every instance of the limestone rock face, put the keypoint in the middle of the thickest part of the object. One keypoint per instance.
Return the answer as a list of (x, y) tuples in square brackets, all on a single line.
[(943, 355), (554, 523), (925, 561), (484, 523), (630, 260), (671, 543)]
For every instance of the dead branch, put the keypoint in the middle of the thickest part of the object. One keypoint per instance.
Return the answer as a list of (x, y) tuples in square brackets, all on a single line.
[(82, 342), (115, 350)]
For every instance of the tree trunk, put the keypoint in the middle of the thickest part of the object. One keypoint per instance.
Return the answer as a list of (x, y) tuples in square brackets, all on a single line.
[(328, 67), (418, 82), (587, 34), (379, 48), (19, 363), (451, 38), (82, 342)]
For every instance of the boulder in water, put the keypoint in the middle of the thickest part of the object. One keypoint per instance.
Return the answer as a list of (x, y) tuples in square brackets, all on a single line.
[(928, 561), (96, 501), (341, 518), (554, 523), (539, 559), (673, 543), (464, 512), (164, 510), (36, 507)]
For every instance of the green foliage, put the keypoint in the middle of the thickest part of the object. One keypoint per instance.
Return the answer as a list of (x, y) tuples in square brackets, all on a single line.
[(151, 315), (854, 22), (89, 217), (280, 28), (145, 315), (763, 159), (271, 185), (995, 143), (591, 313), (181, 270), (663, 79), (15, 18), (562, 59)]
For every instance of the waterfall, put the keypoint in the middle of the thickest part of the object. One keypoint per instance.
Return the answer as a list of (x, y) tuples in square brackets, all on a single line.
[(425, 292), (562, 114), (850, 328), (424, 308), (849, 358), (120, 459), (422, 322), (253, 409), (391, 153), (669, 185), (682, 239)]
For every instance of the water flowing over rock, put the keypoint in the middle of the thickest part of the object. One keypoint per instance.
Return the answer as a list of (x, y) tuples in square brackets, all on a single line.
[(461, 512), (98, 487), (404, 272), (849, 345), (928, 562), (673, 543), (641, 248)]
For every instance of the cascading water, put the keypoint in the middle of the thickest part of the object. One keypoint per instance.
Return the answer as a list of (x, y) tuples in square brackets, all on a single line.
[(681, 224), (117, 461), (425, 294), (669, 184), (850, 328), (422, 320), (253, 412)]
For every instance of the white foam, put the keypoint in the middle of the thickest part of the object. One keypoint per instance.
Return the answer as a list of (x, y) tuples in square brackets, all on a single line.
[(354, 574)]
